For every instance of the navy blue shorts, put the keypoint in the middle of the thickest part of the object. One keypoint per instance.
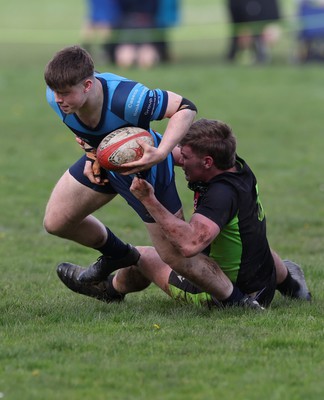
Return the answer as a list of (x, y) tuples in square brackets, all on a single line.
[(160, 176)]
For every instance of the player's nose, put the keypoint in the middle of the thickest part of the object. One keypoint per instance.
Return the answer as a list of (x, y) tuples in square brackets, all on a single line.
[(58, 98)]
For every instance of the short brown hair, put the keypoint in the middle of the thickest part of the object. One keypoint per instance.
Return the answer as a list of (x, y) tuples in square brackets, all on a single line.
[(68, 67), (212, 138)]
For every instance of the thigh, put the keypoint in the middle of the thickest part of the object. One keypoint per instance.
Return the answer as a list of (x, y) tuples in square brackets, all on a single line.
[(71, 199)]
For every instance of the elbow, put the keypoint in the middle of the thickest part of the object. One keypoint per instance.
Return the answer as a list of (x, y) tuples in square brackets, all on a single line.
[(188, 251), (192, 248)]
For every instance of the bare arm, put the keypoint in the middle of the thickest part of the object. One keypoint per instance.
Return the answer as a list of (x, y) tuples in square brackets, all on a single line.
[(178, 125), (189, 238)]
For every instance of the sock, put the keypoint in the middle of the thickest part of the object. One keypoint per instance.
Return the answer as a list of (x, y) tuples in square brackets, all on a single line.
[(289, 286), (234, 298), (113, 248)]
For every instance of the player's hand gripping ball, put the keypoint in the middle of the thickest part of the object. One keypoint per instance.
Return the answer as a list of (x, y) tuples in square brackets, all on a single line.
[(120, 147)]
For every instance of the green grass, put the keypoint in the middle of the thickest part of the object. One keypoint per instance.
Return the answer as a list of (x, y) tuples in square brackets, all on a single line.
[(57, 345)]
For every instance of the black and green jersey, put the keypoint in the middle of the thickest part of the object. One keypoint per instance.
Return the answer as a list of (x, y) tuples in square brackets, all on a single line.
[(232, 201)]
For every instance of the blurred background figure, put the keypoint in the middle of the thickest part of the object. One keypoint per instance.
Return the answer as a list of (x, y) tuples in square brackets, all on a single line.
[(101, 17), (253, 28), (133, 41), (311, 32), (140, 37), (168, 16)]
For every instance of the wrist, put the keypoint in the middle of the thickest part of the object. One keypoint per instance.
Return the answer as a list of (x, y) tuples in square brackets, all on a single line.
[(162, 153), (151, 204)]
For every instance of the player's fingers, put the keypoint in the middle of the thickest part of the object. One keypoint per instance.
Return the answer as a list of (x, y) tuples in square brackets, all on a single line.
[(96, 169), (90, 173), (143, 144)]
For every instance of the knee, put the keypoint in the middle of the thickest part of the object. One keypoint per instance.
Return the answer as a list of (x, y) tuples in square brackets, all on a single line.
[(48, 226), (52, 225)]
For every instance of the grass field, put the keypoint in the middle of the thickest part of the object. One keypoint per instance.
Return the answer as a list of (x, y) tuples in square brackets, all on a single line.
[(57, 345)]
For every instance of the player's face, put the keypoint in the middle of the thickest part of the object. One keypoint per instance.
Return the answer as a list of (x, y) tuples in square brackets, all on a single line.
[(192, 165), (70, 99)]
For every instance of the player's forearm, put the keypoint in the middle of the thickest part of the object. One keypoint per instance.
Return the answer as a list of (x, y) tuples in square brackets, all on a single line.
[(176, 129), (178, 232)]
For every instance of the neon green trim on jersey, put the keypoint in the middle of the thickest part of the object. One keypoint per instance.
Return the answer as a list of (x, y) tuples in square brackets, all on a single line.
[(226, 249), (261, 213)]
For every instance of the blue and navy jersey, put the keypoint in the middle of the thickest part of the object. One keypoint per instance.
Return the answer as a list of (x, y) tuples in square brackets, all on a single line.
[(126, 103)]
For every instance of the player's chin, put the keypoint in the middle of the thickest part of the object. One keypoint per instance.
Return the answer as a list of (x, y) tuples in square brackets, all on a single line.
[(67, 110), (187, 177)]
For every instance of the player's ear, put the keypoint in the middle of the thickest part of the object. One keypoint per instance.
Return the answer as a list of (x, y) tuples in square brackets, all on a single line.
[(87, 84), (208, 161)]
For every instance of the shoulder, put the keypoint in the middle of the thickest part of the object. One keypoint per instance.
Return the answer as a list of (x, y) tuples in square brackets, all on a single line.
[(222, 186), (109, 76), (242, 167)]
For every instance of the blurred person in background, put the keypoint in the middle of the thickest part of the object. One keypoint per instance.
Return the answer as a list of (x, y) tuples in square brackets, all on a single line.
[(133, 41), (311, 33), (168, 16), (102, 16), (252, 28), (140, 38)]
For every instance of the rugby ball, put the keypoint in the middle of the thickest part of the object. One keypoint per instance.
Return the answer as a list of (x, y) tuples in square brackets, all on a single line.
[(120, 147)]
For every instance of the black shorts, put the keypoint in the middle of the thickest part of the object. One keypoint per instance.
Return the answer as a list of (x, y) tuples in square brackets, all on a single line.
[(160, 176)]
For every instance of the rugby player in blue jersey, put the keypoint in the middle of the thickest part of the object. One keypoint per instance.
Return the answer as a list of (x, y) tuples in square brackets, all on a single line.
[(92, 105), (225, 239)]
